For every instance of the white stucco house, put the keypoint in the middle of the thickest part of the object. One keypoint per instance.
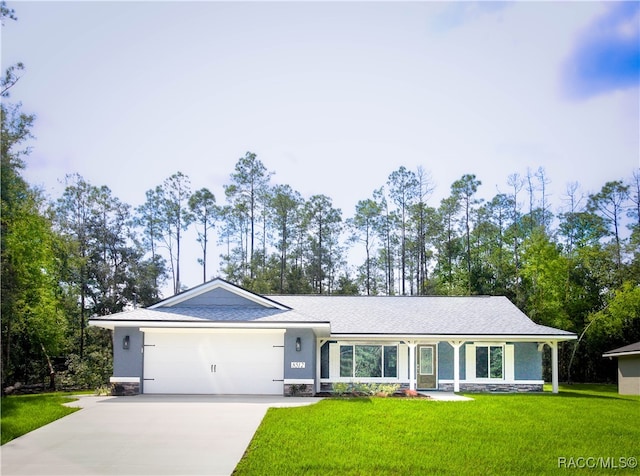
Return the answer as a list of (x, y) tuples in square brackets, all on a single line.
[(218, 338)]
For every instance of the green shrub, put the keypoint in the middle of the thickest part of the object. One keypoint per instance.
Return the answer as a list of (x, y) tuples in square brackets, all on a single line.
[(340, 388), (387, 389), (89, 373), (368, 389)]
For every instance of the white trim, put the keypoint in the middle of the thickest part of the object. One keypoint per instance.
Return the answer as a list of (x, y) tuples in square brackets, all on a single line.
[(364, 380), (485, 381), (334, 360), (403, 360), (319, 343), (509, 362), (470, 360), (464, 337), (622, 354), (412, 364), (554, 367), (456, 363), (110, 324), (214, 284), (124, 379), (299, 381), (209, 330)]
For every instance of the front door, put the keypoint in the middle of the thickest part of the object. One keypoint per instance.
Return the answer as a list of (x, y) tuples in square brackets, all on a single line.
[(426, 367)]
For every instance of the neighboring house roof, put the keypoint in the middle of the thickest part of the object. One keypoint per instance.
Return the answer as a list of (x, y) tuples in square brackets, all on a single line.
[(345, 315), (631, 349)]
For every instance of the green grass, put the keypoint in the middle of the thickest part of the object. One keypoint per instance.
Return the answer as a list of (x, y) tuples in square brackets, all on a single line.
[(494, 434), (24, 413)]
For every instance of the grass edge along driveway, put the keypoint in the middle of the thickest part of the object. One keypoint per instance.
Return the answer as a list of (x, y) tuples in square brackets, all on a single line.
[(24, 413), (493, 434)]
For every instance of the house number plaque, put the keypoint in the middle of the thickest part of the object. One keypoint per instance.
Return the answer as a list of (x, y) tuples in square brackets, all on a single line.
[(298, 365)]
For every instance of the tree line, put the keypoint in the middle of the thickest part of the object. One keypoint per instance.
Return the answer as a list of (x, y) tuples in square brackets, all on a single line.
[(86, 252)]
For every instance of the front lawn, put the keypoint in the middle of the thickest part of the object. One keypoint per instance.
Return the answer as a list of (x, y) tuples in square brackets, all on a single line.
[(24, 413), (494, 434)]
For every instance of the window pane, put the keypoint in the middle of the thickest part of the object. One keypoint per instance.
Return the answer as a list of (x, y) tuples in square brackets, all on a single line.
[(496, 362), (390, 361), (482, 362), (368, 361), (346, 361), (324, 360)]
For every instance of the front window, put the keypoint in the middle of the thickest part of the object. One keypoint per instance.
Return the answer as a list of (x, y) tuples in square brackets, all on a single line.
[(368, 361), (489, 361)]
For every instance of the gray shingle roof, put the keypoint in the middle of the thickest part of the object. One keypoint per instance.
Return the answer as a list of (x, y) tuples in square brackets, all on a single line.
[(425, 315), (627, 349)]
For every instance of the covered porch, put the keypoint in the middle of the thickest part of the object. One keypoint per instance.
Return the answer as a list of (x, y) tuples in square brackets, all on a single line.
[(434, 363)]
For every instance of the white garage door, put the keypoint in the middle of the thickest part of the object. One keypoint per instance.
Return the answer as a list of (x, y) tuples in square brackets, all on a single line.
[(251, 362)]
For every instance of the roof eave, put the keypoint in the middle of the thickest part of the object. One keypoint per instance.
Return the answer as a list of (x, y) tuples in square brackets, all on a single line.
[(465, 337), (112, 324), (621, 354)]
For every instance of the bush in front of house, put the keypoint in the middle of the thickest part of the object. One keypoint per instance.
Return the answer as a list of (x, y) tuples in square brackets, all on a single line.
[(364, 389)]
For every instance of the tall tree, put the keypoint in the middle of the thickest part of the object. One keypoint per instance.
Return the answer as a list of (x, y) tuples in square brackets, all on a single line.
[(233, 234), (324, 226), (464, 190), (149, 218), (204, 210), (32, 323), (285, 218), (515, 232), (545, 274), (385, 231), (363, 226), (73, 216), (609, 203), (403, 188), (175, 217), (249, 182), (494, 270), (448, 245), (634, 196), (422, 218)]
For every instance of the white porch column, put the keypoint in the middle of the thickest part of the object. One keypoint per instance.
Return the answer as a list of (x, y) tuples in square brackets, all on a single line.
[(456, 344), (319, 344), (554, 366), (412, 364)]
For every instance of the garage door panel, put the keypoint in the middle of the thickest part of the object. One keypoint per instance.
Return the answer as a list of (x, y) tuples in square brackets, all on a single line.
[(234, 363)]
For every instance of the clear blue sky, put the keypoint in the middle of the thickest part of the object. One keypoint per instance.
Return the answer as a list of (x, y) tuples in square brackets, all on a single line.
[(332, 97)]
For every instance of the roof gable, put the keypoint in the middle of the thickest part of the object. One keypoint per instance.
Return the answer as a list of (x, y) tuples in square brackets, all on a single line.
[(218, 292)]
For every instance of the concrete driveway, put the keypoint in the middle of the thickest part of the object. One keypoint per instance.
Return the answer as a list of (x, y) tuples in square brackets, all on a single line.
[(144, 435)]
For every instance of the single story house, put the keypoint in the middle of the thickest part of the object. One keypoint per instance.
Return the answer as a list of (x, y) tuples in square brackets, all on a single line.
[(218, 338), (628, 368)]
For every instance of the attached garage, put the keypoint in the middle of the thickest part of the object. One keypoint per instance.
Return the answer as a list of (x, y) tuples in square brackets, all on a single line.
[(211, 361)]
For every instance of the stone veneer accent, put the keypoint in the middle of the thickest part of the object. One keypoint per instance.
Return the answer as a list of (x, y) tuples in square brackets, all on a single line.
[(493, 387), (298, 390), (468, 387), (125, 389), (328, 387)]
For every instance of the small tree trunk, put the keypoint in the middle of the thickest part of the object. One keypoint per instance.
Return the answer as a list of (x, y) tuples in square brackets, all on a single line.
[(52, 372)]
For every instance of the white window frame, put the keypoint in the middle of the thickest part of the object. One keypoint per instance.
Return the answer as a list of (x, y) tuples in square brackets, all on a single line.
[(488, 345), (335, 375)]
